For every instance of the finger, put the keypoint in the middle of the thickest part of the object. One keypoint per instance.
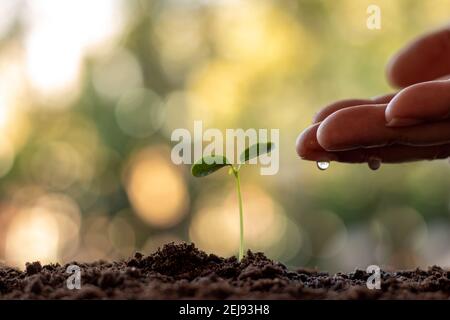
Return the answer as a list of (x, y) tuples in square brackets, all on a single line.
[(424, 59), (308, 148), (428, 101), (325, 112), (365, 126)]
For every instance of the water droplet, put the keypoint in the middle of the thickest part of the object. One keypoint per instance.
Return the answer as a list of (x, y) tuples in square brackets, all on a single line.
[(374, 163), (323, 165)]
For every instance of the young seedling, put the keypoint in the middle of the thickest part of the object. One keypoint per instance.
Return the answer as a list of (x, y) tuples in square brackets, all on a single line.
[(210, 164)]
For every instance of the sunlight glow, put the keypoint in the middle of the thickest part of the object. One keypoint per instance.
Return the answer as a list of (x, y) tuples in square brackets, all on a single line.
[(32, 236), (46, 231), (60, 33), (156, 188)]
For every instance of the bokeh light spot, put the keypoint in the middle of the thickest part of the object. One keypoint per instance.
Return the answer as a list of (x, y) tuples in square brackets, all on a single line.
[(33, 235), (156, 188), (140, 112), (116, 72)]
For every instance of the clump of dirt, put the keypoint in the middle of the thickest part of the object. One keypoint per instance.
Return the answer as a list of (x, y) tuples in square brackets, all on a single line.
[(181, 271)]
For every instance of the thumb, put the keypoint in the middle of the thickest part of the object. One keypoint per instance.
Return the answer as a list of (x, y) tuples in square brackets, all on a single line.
[(427, 58)]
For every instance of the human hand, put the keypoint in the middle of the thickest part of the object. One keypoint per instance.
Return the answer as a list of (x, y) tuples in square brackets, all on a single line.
[(412, 125)]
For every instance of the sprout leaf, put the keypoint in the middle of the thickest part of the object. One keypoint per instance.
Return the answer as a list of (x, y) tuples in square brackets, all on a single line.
[(256, 150), (208, 164)]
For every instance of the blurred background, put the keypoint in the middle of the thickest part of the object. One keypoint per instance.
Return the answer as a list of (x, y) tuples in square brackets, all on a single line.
[(90, 92)]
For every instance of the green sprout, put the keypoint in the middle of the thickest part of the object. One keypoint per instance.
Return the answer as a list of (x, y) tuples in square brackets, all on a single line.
[(210, 164)]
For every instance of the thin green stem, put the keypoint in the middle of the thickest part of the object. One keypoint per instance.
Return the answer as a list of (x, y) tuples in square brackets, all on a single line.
[(241, 214)]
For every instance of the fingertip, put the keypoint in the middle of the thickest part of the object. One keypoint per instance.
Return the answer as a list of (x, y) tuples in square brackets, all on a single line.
[(308, 148), (327, 133), (391, 111), (400, 110), (393, 73), (418, 103), (335, 129), (305, 141), (299, 146), (352, 128), (317, 118)]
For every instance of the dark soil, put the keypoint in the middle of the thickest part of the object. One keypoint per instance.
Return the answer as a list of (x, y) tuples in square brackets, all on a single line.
[(184, 272)]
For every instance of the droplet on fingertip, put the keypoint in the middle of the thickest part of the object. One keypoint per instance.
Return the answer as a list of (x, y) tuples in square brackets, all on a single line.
[(323, 165), (374, 163)]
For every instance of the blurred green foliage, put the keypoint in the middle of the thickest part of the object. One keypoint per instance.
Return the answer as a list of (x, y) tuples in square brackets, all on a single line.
[(237, 64)]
